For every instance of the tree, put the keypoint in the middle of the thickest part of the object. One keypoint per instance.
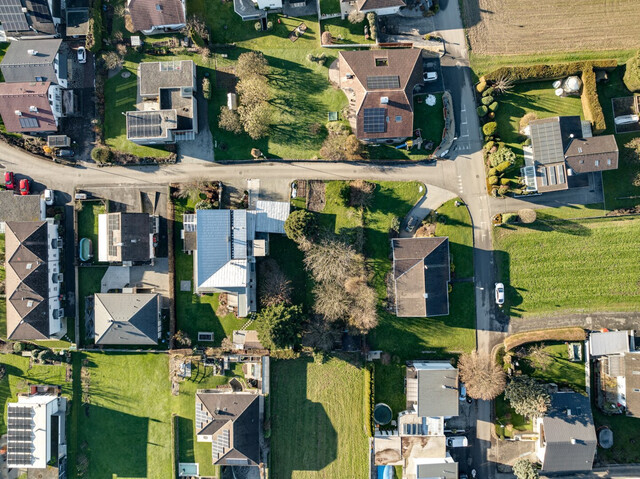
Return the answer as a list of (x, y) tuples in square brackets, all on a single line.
[(253, 90), (344, 191), (320, 334), (274, 287), (363, 311), (196, 29), (483, 378), (256, 120), (525, 469), (527, 215), (539, 356), (489, 128), (229, 120), (355, 16), (182, 339), (331, 301), (326, 38), (251, 64), (502, 155), (353, 148), (503, 84), (332, 260), (526, 119), (101, 154), (300, 225), (111, 60), (362, 193), (527, 396), (279, 326), (632, 73)]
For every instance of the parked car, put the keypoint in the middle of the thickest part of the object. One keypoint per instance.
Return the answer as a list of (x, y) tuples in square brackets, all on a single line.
[(499, 294), (444, 154), (82, 55), (457, 441), (430, 76), (65, 153), (24, 187), (48, 197), (9, 180), (463, 392), (411, 224)]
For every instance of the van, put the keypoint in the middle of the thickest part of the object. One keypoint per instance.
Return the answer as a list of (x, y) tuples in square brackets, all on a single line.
[(81, 196)]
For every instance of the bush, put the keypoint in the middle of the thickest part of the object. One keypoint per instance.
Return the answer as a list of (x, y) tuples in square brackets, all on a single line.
[(493, 180), (504, 166), (502, 155), (371, 18), (542, 72), (493, 106), (632, 73), (101, 154), (355, 17), (327, 39), (505, 181), (206, 88), (229, 120), (489, 128), (590, 101), (481, 86), (300, 225), (18, 347), (257, 26), (481, 110), (526, 119), (487, 100), (492, 172), (527, 215), (269, 25), (503, 190), (344, 193), (489, 144), (488, 92)]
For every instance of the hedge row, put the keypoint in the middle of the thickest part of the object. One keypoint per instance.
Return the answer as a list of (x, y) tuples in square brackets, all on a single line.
[(545, 72), (590, 101), (369, 398), (558, 334)]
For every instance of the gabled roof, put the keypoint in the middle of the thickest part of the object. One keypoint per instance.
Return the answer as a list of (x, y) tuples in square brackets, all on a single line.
[(569, 434), (36, 19), (440, 470), (233, 421), (146, 14), (20, 208), (632, 383), (421, 271), (610, 342), (27, 280), (126, 318), (25, 107), (368, 5), (596, 153), (19, 65), (550, 137), (437, 389)]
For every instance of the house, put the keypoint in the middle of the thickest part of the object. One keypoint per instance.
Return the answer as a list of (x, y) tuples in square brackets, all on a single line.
[(256, 10), (20, 208), (432, 389), (421, 275), (380, 85), (231, 422), (77, 22), (29, 61), (33, 279), (379, 7), (128, 318), (564, 151), (227, 243), (30, 107), (127, 237), (168, 111), (609, 342), (29, 18), (567, 437), (157, 16), (36, 432)]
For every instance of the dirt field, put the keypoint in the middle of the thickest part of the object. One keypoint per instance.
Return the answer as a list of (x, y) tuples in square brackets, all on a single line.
[(506, 27)]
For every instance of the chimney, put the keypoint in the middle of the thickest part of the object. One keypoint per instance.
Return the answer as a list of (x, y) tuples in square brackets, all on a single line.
[(33, 109), (569, 412), (384, 100), (18, 113), (573, 440), (32, 52)]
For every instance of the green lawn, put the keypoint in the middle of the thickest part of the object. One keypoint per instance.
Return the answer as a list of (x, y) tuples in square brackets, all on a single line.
[(89, 279), (88, 223), (344, 32), (196, 313), (329, 6), (285, 252), (561, 371), (459, 229), (507, 417), (625, 448), (569, 266), (3, 303), (571, 212), (317, 420)]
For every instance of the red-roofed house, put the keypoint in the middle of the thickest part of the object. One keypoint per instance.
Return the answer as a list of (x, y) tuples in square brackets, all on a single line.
[(157, 16), (30, 107)]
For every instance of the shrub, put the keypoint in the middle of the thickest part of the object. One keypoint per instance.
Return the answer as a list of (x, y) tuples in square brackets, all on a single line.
[(492, 172), (489, 144), (527, 215), (300, 225), (18, 347), (488, 92), (487, 100), (590, 101), (269, 25), (517, 191), (504, 166), (101, 154), (524, 469), (481, 110), (493, 106), (257, 26), (543, 71), (206, 88), (489, 128), (327, 39), (279, 326), (502, 155), (371, 18), (505, 181), (526, 119), (229, 120), (632, 73), (355, 17), (493, 180), (503, 190), (481, 86)]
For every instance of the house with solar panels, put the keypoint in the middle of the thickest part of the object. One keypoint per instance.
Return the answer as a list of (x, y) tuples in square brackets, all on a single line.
[(380, 85), (564, 154), (36, 433), (168, 109), (225, 244), (29, 18)]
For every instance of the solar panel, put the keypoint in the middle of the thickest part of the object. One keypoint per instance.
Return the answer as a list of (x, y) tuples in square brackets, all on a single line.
[(144, 125), (19, 435), (375, 120), (383, 82), (28, 122), (546, 140), (12, 17)]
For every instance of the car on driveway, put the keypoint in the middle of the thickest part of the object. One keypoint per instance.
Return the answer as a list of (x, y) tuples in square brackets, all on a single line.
[(430, 76), (24, 187), (463, 392), (411, 224), (499, 294), (48, 197), (457, 441), (9, 180), (65, 153), (82, 55)]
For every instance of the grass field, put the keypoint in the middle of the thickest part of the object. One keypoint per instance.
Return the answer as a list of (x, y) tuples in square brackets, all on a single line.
[(89, 280), (344, 32), (569, 266), (561, 370), (329, 6), (625, 431), (317, 420), (88, 223), (499, 27), (457, 228)]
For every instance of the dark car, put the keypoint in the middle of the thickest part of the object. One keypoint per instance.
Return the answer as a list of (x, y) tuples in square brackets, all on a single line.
[(65, 153), (9, 180), (24, 187)]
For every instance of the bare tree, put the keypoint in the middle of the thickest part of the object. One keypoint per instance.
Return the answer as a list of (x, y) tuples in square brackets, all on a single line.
[(251, 64), (332, 260), (112, 60), (320, 334), (363, 311), (356, 16), (331, 300), (274, 286), (539, 356), (196, 26), (229, 120), (483, 378), (361, 193), (503, 84)]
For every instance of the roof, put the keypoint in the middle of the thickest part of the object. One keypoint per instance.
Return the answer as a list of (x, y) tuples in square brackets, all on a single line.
[(437, 389), (367, 5), (551, 177), (126, 318), (441, 470), (632, 383), (40, 16), (246, 339), (124, 237), (146, 14), (596, 153), (25, 107), (569, 434), (152, 76), (421, 271), (611, 342), (20, 208), (550, 137), (58, 141), (151, 123), (271, 216), (77, 21), (18, 65), (383, 83), (27, 280), (36, 16), (233, 421)]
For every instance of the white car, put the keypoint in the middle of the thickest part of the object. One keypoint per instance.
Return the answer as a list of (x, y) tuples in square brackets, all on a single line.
[(430, 76), (82, 55), (499, 294), (457, 441), (48, 197)]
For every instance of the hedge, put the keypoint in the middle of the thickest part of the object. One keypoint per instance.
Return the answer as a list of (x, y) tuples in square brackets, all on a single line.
[(504, 166), (369, 398), (544, 72), (487, 100), (482, 111), (590, 101), (558, 334), (493, 106)]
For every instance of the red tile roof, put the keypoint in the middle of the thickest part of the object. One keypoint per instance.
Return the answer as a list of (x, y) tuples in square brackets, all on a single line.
[(146, 14), (22, 97)]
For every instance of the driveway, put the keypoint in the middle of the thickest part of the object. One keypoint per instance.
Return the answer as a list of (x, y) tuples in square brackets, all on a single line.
[(200, 149), (432, 199)]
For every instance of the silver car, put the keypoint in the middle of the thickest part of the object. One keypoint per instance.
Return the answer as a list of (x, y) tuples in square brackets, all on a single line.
[(499, 294)]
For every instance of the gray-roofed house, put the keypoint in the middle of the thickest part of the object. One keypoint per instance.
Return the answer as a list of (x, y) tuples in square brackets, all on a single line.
[(29, 18), (33, 278), (440, 470), (128, 319), (567, 437), (632, 383), (35, 61), (421, 274), (20, 208), (168, 111), (153, 17), (227, 243), (231, 423), (432, 388), (379, 7), (563, 147), (609, 342), (126, 237)]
